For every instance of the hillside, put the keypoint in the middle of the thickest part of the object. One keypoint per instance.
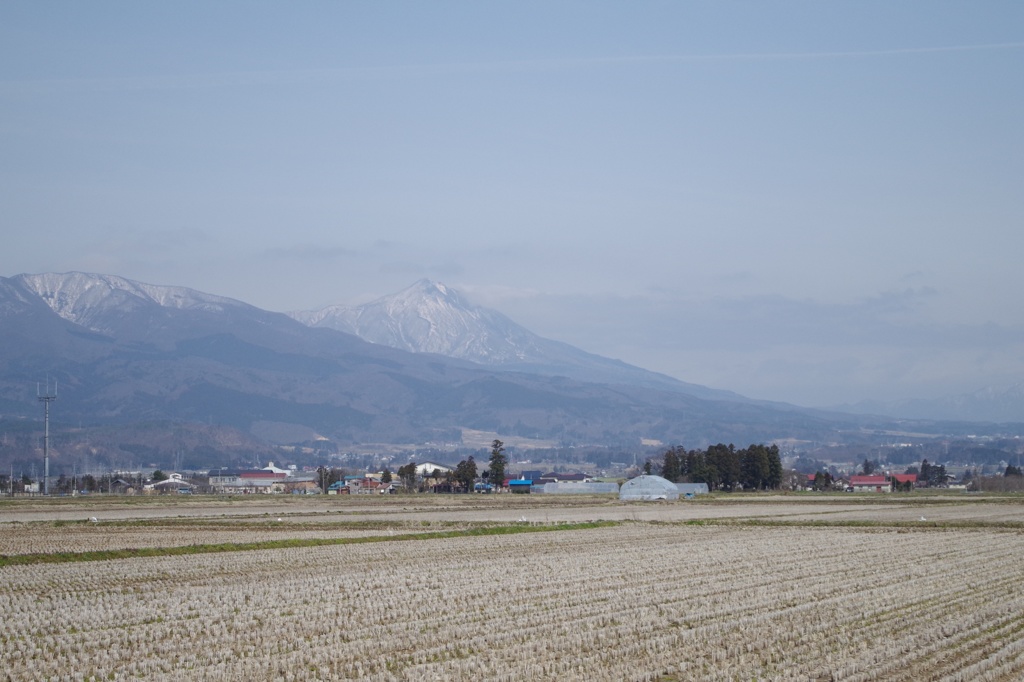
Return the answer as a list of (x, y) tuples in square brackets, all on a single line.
[(430, 317), (125, 353)]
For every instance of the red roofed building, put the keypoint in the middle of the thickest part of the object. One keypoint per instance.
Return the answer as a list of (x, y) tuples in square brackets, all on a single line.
[(870, 484), (234, 481)]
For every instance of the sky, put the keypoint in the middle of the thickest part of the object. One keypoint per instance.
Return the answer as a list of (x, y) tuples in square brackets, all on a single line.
[(813, 202)]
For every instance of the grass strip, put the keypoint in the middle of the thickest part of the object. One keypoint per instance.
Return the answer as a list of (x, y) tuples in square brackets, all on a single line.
[(107, 555)]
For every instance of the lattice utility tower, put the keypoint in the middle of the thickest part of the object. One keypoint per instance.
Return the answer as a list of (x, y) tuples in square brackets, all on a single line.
[(46, 398)]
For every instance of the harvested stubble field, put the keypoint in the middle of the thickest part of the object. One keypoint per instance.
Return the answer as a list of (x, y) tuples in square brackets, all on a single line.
[(714, 595), (63, 537)]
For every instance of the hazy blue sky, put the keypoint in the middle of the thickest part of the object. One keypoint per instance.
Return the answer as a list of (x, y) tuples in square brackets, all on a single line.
[(815, 202)]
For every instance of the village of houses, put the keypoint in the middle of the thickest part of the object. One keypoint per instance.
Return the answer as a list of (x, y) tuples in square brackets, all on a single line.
[(880, 483), (436, 477), (432, 476)]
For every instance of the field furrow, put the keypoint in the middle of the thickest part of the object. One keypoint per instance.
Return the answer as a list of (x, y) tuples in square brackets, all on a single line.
[(637, 601)]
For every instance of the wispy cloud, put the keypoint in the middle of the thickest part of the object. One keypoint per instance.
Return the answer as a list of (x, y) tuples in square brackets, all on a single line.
[(371, 72), (838, 54)]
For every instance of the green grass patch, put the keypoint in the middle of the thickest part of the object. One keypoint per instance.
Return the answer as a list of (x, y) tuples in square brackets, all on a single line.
[(106, 555)]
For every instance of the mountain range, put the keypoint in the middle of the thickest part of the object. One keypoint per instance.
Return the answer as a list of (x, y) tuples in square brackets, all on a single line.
[(429, 317), (430, 367), (989, 404)]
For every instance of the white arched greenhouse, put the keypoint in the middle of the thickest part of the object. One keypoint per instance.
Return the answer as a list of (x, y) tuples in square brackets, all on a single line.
[(648, 487)]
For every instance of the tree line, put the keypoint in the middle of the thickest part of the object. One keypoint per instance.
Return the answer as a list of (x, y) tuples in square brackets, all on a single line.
[(723, 467), (463, 479)]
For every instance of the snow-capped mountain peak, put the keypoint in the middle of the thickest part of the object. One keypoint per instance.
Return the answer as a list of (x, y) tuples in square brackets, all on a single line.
[(429, 317), (85, 298)]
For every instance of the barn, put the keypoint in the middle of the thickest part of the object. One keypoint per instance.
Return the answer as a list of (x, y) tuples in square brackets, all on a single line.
[(648, 487)]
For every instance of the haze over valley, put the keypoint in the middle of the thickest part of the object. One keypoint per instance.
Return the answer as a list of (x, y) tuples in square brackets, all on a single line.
[(174, 370)]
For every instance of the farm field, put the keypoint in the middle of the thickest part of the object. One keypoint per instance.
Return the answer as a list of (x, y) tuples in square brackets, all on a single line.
[(766, 589), (509, 508)]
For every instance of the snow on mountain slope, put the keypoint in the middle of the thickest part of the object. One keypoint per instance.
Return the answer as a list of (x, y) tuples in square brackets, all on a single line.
[(13, 299), (428, 317), (89, 300)]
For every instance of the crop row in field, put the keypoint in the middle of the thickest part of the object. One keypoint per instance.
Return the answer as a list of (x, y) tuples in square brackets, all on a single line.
[(632, 602), (45, 538), (172, 531)]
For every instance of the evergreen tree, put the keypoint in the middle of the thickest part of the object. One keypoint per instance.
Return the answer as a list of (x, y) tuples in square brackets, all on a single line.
[(754, 467), (689, 468), (774, 468), (407, 474), (465, 474), (726, 461), (932, 475), (497, 464), (823, 481), (704, 469), (670, 467)]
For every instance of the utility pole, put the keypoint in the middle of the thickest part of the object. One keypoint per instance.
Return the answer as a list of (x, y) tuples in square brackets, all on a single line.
[(46, 398)]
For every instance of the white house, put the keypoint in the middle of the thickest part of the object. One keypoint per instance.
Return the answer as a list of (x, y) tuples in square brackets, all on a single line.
[(173, 483), (428, 468)]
